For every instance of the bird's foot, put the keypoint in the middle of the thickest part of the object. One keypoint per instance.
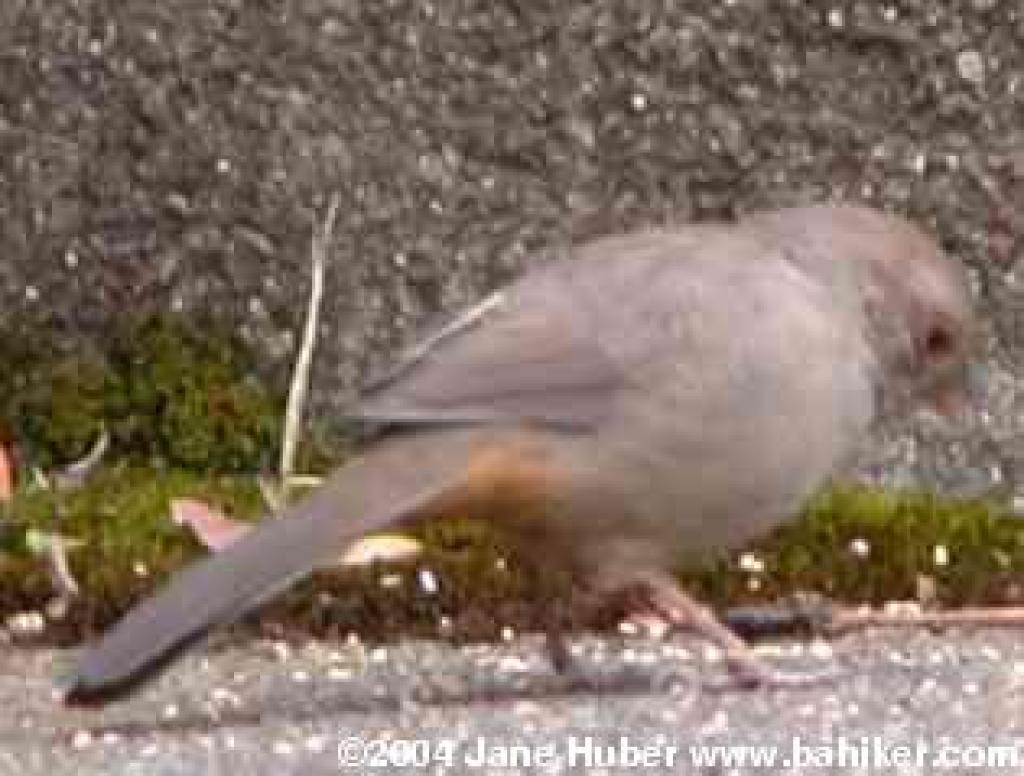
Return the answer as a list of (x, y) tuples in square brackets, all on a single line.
[(748, 671), (559, 654)]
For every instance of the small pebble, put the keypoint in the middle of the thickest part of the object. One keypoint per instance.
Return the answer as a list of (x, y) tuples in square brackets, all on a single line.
[(860, 547), (971, 66)]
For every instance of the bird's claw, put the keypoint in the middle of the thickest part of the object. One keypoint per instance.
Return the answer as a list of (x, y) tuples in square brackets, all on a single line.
[(748, 672)]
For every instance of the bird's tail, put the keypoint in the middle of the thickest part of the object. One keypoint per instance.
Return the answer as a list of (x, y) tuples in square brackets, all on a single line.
[(395, 483)]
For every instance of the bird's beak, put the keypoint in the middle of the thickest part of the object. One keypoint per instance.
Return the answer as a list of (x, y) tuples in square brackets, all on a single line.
[(957, 389)]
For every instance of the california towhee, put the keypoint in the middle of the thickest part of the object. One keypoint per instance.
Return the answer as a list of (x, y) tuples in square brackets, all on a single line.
[(668, 393)]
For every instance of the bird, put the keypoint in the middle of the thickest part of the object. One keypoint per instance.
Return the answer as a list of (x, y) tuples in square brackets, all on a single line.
[(661, 395)]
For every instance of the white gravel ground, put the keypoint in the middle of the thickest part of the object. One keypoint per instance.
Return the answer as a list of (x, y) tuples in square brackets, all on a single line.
[(904, 702)]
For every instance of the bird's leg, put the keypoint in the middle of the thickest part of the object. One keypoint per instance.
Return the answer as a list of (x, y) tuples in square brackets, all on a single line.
[(554, 640), (559, 615), (679, 611), (569, 667)]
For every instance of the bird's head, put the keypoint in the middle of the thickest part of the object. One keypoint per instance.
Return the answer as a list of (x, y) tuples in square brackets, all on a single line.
[(914, 301)]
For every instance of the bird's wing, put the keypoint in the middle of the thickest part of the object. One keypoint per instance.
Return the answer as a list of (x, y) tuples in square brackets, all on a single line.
[(524, 355), (561, 346)]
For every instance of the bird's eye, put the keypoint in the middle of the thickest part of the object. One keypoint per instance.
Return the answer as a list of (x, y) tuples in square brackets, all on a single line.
[(939, 343)]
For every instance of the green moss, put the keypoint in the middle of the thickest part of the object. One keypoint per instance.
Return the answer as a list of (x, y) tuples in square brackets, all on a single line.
[(121, 519), (51, 392), (61, 409), (188, 397), (901, 531), (177, 393)]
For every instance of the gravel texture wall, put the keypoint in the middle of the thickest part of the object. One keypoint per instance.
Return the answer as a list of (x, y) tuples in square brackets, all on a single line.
[(173, 156)]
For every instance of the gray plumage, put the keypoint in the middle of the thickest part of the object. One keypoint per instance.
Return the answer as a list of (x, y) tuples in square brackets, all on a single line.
[(663, 393)]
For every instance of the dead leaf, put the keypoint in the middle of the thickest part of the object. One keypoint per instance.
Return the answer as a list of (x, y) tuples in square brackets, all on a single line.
[(380, 547), (216, 531), (211, 527), (7, 471)]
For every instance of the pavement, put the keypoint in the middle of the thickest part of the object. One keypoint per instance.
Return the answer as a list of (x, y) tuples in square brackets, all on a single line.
[(892, 701)]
